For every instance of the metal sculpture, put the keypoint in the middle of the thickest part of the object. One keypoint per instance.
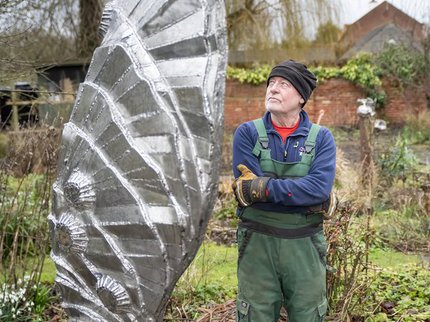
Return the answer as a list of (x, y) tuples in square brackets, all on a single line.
[(138, 165)]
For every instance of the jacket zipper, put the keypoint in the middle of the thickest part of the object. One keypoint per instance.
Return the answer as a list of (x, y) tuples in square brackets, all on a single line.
[(285, 149)]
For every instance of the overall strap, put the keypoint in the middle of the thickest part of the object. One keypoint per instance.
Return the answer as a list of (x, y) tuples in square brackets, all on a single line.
[(263, 140), (287, 225), (261, 149), (309, 154)]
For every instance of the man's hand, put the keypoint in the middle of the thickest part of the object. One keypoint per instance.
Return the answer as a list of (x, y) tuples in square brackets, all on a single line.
[(249, 188)]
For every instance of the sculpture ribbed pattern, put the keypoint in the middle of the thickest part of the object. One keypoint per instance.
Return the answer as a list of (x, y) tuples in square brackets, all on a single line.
[(138, 166)]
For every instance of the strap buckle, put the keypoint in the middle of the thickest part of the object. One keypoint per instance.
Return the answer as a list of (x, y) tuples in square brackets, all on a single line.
[(309, 147), (264, 143)]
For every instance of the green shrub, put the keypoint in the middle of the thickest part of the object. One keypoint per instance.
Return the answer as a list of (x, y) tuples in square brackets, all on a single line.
[(26, 176), (43, 296), (348, 242), (24, 210), (227, 210), (405, 64), (24, 301), (399, 295), (397, 163), (254, 76), (417, 129), (323, 73), (408, 229), (362, 71)]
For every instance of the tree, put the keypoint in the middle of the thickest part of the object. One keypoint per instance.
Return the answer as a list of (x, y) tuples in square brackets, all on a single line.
[(90, 12), (263, 23), (327, 33), (15, 22), (248, 24), (37, 33)]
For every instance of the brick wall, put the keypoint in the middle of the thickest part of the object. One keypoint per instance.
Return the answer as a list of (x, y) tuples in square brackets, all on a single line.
[(403, 102), (243, 102), (337, 97)]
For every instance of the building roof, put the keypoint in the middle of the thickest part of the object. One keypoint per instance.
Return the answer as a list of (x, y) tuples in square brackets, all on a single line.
[(382, 23), (376, 40)]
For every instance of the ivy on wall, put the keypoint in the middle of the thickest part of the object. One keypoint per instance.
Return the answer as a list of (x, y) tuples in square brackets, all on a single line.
[(254, 76), (359, 70), (365, 70)]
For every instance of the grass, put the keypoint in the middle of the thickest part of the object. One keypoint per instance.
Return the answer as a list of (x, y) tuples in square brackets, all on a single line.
[(214, 266), (345, 134), (216, 263), (389, 258), (48, 272), (210, 279)]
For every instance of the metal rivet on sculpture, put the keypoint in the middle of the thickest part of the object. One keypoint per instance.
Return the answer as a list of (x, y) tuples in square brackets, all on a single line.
[(138, 166)]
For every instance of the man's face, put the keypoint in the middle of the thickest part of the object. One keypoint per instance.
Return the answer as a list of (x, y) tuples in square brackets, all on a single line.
[(282, 97)]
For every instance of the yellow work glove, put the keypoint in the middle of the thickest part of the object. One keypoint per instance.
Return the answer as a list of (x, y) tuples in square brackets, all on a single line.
[(249, 188)]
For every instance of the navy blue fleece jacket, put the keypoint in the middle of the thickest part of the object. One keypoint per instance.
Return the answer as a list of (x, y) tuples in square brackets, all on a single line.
[(288, 195)]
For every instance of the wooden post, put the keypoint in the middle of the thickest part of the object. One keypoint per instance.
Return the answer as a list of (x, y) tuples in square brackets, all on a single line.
[(366, 112), (15, 115), (366, 125), (366, 151)]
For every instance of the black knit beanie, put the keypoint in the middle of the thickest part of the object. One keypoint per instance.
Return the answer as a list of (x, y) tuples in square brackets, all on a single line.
[(303, 80)]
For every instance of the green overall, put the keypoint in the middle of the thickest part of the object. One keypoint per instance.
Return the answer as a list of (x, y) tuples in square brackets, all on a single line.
[(281, 258)]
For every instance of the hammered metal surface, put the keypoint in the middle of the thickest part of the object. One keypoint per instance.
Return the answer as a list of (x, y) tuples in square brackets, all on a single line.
[(138, 167)]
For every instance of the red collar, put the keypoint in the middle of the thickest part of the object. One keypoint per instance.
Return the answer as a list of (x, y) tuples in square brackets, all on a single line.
[(285, 132)]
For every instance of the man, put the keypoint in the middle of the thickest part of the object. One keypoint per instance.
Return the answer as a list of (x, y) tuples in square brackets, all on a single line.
[(284, 168)]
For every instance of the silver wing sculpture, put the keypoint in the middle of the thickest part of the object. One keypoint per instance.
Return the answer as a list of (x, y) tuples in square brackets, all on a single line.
[(138, 166)]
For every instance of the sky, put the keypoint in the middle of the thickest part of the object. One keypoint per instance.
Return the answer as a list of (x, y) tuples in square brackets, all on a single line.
[(352, 10)]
